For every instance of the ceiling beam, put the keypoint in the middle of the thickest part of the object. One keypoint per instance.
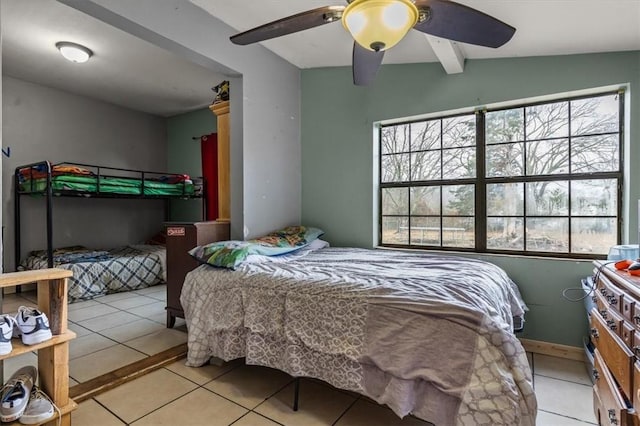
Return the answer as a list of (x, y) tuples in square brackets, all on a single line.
[(448, 53)]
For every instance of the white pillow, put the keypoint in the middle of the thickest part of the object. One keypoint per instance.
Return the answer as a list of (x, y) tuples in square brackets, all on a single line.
[(296, 254)]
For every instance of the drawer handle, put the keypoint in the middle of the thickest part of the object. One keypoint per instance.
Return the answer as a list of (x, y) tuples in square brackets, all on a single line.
[(636, 351), (603, 313), (603, 291), (612, 417), (612, 300), (612, 325), (596, 375), (636, 319), (594, 333)]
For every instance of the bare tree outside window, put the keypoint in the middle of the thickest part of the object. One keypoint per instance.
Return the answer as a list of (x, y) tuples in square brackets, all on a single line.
[(551, 180)]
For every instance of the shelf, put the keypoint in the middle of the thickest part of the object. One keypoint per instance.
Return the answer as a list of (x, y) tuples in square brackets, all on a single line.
[(63, 410), (26, 277), (19, 348)]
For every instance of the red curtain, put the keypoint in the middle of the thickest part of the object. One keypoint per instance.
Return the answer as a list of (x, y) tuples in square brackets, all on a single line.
[(209, 154)]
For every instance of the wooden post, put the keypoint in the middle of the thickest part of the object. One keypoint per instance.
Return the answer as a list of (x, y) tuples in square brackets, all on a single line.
[(221, 110)]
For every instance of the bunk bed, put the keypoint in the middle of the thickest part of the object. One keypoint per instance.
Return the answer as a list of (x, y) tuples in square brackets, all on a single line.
[(98, 272)]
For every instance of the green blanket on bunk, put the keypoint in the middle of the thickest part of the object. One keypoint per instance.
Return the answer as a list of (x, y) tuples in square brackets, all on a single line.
[(111, 185)]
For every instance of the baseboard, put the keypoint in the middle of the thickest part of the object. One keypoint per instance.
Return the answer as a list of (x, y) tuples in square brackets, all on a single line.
[(553, 349), (96, 386)]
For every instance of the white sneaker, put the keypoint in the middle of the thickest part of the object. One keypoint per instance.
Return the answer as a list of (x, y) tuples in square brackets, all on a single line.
[(15, 394), (33, 325), (39, 409), (7, 322)]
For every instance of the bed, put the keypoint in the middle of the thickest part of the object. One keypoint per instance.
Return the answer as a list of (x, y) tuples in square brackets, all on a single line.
[(98, 272), (424, 334)]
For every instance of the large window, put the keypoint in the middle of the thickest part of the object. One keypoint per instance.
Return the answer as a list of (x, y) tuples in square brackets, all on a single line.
[(541, 178)]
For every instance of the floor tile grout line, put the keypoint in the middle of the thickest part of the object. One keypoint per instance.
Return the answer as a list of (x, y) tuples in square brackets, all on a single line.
[(165, 404), (268, 418), (568, 417), (346, 410), (564, 380), (107, 408)]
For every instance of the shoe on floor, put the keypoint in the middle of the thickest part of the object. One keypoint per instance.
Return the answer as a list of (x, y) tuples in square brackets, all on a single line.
[(39, 408), (15, 394), (7, 323), (33, 325)]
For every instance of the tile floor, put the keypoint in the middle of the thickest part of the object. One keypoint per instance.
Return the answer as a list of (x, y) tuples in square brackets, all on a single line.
[(121, 328)]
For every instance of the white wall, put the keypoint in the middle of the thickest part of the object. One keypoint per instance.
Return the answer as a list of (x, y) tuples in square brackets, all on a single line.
[(41, 123), (265, 103)]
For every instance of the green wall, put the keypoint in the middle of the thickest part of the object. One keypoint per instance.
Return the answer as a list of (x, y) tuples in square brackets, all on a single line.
[(184, 155), (338, 154)]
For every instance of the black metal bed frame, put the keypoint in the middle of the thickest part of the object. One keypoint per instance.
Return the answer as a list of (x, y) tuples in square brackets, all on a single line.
[(111, 172)]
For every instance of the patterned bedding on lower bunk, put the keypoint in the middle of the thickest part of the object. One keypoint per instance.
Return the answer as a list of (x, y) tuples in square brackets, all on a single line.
[(100, 272), (428, 335)]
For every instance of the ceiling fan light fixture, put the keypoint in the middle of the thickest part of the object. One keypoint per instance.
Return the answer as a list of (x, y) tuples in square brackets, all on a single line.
[(74, 52), (379, 24)]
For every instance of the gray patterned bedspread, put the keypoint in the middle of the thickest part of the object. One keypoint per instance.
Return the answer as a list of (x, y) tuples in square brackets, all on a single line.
[(425, 334), (111, 271)]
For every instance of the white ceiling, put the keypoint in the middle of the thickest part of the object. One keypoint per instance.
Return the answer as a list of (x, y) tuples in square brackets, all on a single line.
[(124, 69), (128, 71), (543, 27)]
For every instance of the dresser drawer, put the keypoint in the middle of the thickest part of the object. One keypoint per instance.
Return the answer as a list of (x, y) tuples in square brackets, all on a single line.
[(618, 357), (612, 409), (628, 308), (613, 294), (628, 334)]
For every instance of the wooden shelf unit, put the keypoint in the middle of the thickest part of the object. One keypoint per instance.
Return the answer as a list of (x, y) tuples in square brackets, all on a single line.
[(53, 355)]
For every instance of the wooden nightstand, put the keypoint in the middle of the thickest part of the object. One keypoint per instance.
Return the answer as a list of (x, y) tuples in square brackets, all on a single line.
[(182, 237)]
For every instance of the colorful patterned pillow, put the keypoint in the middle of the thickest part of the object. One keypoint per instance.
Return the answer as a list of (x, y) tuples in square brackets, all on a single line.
[(230, 254)]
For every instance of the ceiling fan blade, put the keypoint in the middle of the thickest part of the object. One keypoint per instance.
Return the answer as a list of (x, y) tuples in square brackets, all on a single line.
[(455, 21), (365, 65), (290, 24)]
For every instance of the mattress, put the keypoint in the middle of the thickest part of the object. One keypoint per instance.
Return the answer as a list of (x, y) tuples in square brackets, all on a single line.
[(100, 272), (427, 335)]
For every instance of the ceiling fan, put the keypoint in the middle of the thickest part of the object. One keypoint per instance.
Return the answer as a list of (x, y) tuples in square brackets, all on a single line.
[(378, 25)]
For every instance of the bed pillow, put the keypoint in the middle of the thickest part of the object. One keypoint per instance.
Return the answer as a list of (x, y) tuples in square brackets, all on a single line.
[(230, 254)]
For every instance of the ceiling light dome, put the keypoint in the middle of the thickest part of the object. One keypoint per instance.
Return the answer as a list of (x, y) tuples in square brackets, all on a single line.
[(379, 24), (74, 52)]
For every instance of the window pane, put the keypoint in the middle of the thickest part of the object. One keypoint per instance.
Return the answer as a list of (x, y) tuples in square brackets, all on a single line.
[(547, 234), (505, 126), (505, 199), (505, 233), (547, 157), (458, 200), (548, 198), (395, 230), (425, 231), (425, 200), (425, 135), (425, 165), (395, 201), (459, 131), (547, 121), (595, 115), (458, 232), (395, 139), (595, 197), (395, 168), (458, 163), (595, 154), (593, 235), (505, 160)]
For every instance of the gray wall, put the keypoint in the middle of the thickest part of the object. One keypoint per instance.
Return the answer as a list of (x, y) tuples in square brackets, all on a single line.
[(338, 164), (41, 123), (265, 104), (184, 155)]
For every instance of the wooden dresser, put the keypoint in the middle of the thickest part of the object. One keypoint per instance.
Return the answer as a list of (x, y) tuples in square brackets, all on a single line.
[(615, 332), (182, 237)]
